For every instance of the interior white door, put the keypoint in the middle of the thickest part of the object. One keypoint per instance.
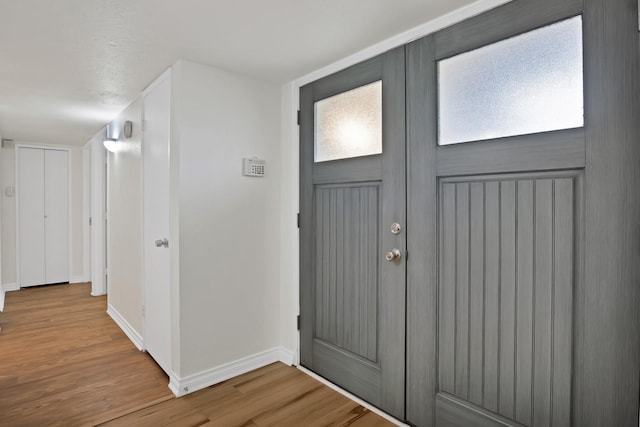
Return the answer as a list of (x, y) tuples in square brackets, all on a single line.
[(157, 302), (56, 197), (43, 216), (30, 195)]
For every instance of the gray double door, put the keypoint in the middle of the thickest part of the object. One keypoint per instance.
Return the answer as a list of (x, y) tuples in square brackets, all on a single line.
[(447, 284)]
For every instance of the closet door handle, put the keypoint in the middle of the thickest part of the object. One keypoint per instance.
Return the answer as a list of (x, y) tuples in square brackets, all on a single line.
[(162, 243)]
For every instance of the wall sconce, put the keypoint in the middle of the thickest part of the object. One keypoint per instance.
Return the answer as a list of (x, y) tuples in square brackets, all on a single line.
[(111, 143)]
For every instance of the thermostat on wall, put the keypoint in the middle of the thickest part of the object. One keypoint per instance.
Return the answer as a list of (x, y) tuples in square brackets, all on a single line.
[(254, 167)]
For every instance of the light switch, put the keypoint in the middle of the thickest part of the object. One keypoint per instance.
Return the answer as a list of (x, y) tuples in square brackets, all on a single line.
[(9, 191)]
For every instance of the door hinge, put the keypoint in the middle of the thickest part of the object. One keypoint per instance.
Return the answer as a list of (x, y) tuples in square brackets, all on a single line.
[(90, 221), (298, 219), (143, 312), (298, 322), (298, 118), (106, 272)]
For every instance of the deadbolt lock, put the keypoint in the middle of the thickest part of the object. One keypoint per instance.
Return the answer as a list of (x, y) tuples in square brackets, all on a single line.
[(396, 228)]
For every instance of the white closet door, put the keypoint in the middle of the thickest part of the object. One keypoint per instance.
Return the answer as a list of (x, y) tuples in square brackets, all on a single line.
[(31, 245), (56, 196)]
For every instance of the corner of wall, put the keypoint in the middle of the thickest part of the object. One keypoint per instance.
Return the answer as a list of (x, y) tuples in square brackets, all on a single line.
[(129, 330), (125, 221)]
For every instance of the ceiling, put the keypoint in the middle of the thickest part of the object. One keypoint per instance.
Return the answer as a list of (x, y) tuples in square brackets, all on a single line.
[(68, 67)]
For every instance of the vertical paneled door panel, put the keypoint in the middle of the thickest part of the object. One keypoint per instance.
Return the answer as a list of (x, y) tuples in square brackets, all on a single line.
[(506, 294), (512, 299), (353, 299)]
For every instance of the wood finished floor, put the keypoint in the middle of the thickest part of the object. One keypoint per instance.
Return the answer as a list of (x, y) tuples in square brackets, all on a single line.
[(64, 362), (276, 395)]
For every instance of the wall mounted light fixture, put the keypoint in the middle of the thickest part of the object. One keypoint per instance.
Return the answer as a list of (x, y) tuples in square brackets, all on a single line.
[(112, 142)]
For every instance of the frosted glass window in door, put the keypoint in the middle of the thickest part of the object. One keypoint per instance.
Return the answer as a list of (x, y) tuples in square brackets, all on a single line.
[(349, 124), (526, 84)]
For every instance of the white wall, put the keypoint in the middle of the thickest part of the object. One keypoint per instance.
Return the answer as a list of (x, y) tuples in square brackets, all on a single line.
[(229, 224), (9, 215), (124, 229)]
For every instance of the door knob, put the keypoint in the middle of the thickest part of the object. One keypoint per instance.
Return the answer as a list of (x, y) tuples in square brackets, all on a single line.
[(393, 255), (161, 243)]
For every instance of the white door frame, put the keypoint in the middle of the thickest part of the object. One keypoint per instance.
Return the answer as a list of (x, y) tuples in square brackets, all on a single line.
[(1, 202), (98, 216), (86, 212), (17, 191)]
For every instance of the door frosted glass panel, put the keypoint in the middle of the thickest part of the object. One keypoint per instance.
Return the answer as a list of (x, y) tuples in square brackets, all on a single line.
[(526, 84), (349, 124)]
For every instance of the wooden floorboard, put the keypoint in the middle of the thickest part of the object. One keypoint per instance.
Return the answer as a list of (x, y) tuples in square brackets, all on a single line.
[(64, 362), (276, 395)]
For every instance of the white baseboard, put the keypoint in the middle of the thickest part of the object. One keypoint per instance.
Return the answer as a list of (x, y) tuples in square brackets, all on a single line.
[(286, 356), (9, 287), (195, 382), (129, 331), (76, 279), (1, 299)]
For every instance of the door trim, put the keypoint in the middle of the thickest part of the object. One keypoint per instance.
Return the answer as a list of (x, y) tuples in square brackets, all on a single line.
[(86, 212), (98, 209)]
